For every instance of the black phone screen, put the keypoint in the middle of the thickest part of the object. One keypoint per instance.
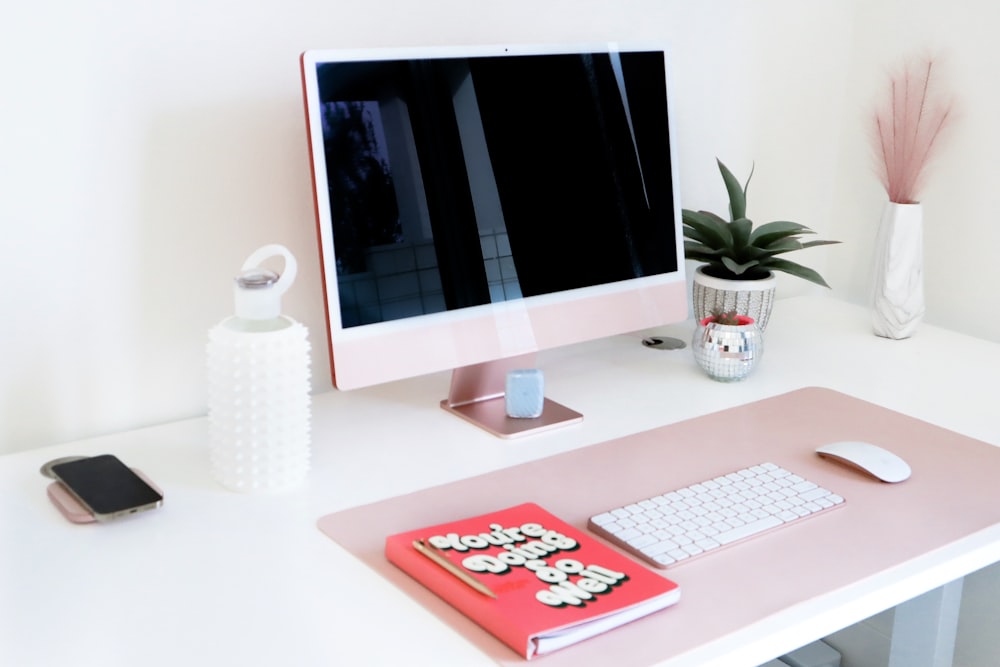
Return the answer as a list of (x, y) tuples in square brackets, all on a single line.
[(107, 486)]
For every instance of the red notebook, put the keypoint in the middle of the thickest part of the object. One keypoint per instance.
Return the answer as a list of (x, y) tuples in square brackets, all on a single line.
[(529, 578)]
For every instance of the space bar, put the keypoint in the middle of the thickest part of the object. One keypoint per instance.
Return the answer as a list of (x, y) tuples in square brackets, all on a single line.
[(747, 530)]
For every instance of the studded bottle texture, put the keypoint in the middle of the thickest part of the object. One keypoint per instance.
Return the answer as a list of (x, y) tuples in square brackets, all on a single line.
[(258, 385)]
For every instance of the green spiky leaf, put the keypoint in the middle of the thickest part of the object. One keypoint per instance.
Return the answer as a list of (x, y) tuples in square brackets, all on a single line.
[(818, 242), (735, 249), (771, 232), (794, 269), (739, 269), (707, 228), (741, 229), (737, 193), (700, 253), (780, 246)]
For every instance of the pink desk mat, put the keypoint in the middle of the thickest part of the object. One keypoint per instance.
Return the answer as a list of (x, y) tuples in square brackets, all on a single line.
[(951, 494)]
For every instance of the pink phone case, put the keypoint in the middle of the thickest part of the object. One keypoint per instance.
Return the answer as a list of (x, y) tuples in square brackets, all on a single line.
[(71, 508)]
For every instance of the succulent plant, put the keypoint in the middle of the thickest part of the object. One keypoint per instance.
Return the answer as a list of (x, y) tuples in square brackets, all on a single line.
[(730, 317), (735, 250)]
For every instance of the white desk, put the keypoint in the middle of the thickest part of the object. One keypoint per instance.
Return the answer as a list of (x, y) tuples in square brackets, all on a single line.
[(220, 578)]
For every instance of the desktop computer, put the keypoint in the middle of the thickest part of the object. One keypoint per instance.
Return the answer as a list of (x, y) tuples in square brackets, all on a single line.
[(476, 205)]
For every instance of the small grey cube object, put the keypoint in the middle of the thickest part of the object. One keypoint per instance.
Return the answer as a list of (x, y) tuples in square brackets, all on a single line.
[(525, 393)]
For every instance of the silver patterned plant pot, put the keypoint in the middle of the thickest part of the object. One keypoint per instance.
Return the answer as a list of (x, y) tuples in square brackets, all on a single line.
[(753, 298), (727, 352)]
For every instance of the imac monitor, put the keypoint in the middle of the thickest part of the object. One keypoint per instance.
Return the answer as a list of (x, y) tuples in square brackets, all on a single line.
[(477, 205)]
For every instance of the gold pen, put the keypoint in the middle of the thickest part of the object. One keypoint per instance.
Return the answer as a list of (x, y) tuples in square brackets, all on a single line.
[(435, 555)]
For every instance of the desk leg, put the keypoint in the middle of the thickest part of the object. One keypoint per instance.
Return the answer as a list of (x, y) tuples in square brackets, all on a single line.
[(924, 628)]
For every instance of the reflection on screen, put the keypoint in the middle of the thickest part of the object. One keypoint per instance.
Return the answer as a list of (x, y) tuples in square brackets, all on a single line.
[(466, 181)]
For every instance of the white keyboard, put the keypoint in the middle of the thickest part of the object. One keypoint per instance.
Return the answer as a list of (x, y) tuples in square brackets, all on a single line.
[(687, 523)]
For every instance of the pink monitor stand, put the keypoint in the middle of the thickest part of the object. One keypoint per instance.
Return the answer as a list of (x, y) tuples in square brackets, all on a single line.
[(477, 395)]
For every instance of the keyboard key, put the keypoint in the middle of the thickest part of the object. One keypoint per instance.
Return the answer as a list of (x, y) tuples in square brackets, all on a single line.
[(748, 529), (602, 519), (628, 534)]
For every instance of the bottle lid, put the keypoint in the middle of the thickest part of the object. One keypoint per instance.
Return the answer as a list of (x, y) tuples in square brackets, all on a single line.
[(257, 291)]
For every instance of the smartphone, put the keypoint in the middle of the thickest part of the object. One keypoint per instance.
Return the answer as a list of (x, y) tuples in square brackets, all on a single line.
[(106, 487)]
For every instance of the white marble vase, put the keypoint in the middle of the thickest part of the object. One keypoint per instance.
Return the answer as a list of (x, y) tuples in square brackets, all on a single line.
[(898, 289)]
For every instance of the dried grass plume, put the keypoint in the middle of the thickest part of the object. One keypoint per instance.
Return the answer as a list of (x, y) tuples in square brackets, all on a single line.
[(908, 126)]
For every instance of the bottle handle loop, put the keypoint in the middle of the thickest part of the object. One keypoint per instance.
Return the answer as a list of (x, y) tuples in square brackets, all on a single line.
[(286, 277)]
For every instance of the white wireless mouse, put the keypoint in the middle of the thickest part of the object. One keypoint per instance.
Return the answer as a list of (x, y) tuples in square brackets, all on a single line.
[(876, 461)]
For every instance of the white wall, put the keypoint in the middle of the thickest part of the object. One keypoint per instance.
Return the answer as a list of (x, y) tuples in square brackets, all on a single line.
[(147, 149)]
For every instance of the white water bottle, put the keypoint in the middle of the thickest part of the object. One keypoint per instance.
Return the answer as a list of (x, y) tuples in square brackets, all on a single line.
[(258, 384)]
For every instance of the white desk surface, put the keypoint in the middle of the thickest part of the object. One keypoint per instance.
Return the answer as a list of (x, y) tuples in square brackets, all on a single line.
[(220, 578)]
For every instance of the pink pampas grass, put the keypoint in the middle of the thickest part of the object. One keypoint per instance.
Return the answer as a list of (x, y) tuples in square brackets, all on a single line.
[(907, 128)]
